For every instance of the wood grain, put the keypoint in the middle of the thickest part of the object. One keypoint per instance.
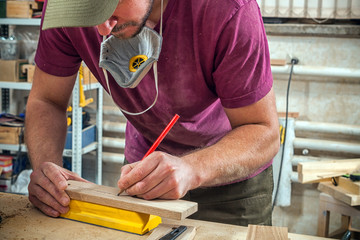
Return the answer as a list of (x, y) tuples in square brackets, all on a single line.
[(310, 172), (256, 232), (107, 196), (339, 193), (349, 185)]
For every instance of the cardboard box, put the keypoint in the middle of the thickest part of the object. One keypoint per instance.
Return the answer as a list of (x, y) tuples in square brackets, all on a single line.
[(10, 135), (10, 70), (22, 9), (88, 136)]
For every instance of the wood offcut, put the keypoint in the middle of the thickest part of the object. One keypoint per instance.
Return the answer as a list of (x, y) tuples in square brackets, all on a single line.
[(310, 172)]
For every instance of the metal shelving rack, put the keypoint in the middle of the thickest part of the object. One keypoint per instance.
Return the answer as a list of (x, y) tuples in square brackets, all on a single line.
[(77, 150)]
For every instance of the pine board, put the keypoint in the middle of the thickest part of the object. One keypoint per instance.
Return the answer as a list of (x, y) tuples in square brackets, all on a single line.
[(310, 172), (256, 232), (107, 196), (339, 193), (349, 185)]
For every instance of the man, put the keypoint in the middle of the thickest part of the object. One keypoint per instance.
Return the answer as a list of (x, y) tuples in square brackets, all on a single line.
[(213, 70)]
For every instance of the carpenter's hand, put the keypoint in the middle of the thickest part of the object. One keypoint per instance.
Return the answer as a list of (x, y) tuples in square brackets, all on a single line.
[(47, 188), (159, 175)]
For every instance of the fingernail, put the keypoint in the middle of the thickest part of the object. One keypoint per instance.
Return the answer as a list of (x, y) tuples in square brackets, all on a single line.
[(65, 201), (54, 213)]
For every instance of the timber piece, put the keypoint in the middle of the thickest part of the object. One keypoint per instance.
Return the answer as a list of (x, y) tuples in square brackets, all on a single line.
[(278, 62), (107, 196), (339, 193), (290, 114), (22, 9), (29, 69), (310, 172), (256, 232), (164, 229), (349, 185)]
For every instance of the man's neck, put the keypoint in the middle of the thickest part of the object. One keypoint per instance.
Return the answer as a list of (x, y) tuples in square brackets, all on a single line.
[(155, 14)]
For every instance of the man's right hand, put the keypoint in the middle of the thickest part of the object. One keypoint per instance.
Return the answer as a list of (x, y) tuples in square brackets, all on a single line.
[(47, 188)]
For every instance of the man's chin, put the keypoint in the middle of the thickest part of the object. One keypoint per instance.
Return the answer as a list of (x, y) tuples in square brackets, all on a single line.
[(128, 33)]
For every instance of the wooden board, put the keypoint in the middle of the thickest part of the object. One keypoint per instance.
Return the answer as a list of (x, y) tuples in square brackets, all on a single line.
[(256, 232), (339, 193), (10, 135), (164, 229), (310, 172), (29, 70), (277, 62), (21, 9), (349, 185), (107, 196)]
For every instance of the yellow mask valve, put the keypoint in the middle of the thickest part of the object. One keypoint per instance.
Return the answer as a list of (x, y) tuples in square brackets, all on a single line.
[(136, 61)]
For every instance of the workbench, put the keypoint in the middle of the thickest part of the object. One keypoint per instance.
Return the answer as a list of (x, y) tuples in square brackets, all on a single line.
[(20, 220)]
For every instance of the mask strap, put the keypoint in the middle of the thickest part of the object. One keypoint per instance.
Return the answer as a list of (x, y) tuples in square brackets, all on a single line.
[(154, 69)]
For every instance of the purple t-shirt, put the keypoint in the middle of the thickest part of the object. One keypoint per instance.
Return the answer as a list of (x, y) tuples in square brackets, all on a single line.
[(214, 55)]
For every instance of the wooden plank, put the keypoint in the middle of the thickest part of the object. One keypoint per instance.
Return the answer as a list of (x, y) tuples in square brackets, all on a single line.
[(290, 114), (29, 69), (349, 185), (21, 9), (339, 193), (107, 196), (10, 135), (310, 172), (164, 229), (256, 232), (277, 62)]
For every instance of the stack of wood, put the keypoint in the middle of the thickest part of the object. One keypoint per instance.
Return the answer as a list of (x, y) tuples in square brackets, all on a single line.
[(333, 178)]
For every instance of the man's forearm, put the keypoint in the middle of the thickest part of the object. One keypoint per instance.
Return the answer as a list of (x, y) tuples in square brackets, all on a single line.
[(237, 155), (45, 132)]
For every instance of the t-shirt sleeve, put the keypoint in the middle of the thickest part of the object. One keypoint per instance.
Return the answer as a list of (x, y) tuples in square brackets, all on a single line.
[(242, 74), (56, 54)]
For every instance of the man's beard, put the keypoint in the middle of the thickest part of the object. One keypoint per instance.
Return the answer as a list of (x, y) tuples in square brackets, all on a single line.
[(139, 26)]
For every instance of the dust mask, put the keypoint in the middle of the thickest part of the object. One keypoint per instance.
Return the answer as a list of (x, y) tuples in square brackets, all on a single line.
[(129, 60)]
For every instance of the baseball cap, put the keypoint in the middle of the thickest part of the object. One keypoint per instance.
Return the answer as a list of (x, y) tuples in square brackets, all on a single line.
[(77, 13)]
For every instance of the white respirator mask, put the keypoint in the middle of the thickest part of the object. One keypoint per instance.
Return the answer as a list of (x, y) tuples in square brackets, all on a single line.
[(129, 60)]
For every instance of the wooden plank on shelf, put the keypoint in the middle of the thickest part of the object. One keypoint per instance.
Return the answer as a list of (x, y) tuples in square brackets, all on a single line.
[(339, 193), (21, 9), (256, 232), (278, 62), (107, 196), (290, 114), (310, 172)]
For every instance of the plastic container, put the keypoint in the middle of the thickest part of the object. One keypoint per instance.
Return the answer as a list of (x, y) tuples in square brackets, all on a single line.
[(9, 49)]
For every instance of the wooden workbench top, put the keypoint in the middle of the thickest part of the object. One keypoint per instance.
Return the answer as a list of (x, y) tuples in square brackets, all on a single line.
[(20, 220)]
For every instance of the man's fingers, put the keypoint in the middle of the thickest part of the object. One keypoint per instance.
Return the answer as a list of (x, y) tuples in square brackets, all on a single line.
[(45, 202), (43, 207), (134, 173), (53, 173)]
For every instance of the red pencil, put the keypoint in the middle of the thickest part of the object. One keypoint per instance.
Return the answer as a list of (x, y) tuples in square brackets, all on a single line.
[(158, 140), (162, 135)]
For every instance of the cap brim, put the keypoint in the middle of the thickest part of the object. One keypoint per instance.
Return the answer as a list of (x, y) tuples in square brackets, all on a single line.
[(77, 13)]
